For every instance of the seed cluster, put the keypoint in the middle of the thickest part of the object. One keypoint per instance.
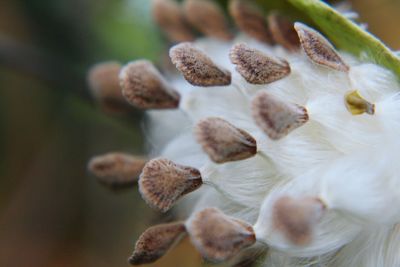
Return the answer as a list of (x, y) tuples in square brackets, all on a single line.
[(163, 182)]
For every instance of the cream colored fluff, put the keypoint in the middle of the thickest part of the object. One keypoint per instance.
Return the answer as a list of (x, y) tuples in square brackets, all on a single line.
[(349, 162)]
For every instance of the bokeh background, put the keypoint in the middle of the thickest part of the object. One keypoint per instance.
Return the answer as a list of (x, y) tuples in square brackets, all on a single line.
[(52, 212)]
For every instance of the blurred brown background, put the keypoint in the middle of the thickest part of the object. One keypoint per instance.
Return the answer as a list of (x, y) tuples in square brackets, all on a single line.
[(52, 213)]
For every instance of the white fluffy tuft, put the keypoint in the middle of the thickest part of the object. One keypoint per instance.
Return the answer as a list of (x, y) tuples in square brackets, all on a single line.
[(349, 162)]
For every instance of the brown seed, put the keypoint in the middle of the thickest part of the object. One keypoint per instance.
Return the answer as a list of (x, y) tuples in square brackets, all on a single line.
[(197, 68), (283, 32), (219, 237), (144, 87), (104, 85), (275, 117), (164, 182), (296, 218), (156, 241), (319, 49), (207, 17), (117, 169), (357, 105), (256, 67), (170, 18), (223, 142), (250, 20)]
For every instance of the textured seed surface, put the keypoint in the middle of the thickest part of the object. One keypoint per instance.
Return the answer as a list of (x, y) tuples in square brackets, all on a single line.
[(283, 32), (155, 242), (296, 218), (104, 85), (117, 169), (256, 67), (197, 68), (249, 19), (170, 18), (163, 182), (219, 237), (207, 17), (357, 105), (223, 142), (275, 117), (144, 87), (319, 49)]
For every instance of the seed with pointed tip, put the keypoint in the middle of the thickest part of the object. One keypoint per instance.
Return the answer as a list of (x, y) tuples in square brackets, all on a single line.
[(275, 117), (104, 85), (296, 218), (170, 18), (207, 17), (224, 142), (144, 87), (357, 105), (319, 49), (163, 182), (283, 32), (219, 237), (256, 67), (197, 68), (117, 169), (250, 20), (156, 241)]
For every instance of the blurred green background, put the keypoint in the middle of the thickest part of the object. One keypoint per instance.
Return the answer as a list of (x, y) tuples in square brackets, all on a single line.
[(52, 213)]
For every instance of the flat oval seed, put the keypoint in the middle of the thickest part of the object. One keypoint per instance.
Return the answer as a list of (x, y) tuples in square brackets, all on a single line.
[(156, 241), (207, 17), (250, 20), (357, 105), (145, 88), (223, 142), (197, 68), (256, 67), (275, 117), (283, 32), (104, 86), (164, 182), (170, 18), (117, 169), (296, 218), (217, 236), (319, 49)]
